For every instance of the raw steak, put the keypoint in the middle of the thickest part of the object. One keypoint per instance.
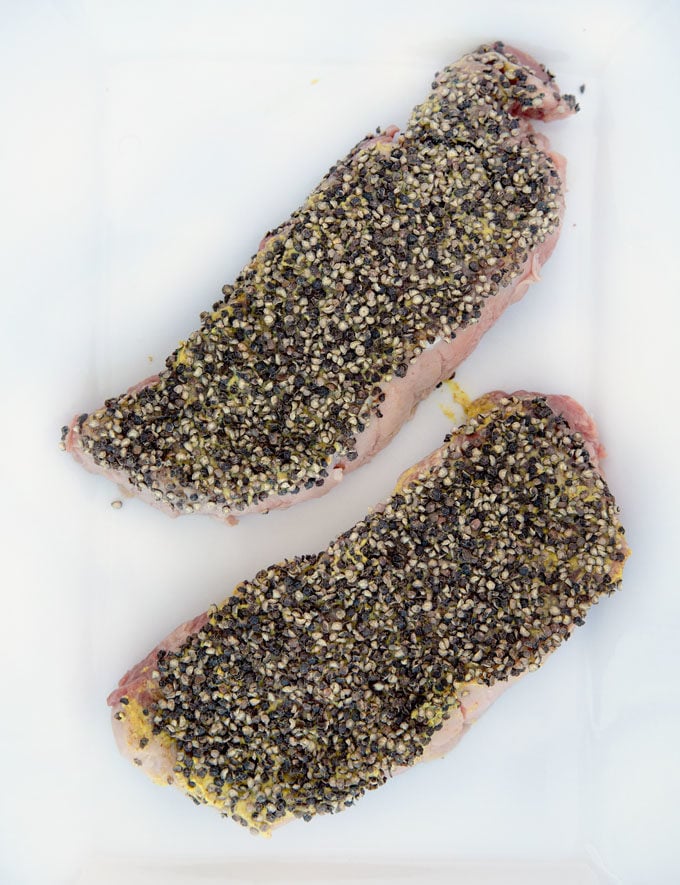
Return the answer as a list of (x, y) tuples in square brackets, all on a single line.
[(353, 309), (324, 675)]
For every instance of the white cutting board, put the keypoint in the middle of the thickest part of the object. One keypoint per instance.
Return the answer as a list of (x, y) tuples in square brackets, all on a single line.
[(146, 149)]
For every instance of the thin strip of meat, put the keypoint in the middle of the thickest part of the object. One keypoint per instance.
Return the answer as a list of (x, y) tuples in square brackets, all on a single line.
[(325, 675), (353, 309)]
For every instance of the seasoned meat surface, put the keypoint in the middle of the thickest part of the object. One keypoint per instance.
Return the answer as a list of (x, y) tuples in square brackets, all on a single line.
[(353, 309), (324, 675)]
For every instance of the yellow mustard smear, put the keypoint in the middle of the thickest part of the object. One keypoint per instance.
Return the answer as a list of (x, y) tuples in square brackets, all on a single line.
[(460, 398), (182, 358), (140, 726), (471, 408)]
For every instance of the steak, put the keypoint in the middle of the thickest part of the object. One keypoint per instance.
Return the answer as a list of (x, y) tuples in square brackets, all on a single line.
[(353, 309), (324, 675)]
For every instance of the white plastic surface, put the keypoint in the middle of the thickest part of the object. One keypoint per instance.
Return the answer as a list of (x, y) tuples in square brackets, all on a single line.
[(146, 147)]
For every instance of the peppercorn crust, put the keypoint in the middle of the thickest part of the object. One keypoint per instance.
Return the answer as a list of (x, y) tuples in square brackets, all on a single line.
[(324, 675), (353, 309)]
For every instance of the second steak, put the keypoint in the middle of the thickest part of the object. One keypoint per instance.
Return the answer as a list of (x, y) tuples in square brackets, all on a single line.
[(323, 676)]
